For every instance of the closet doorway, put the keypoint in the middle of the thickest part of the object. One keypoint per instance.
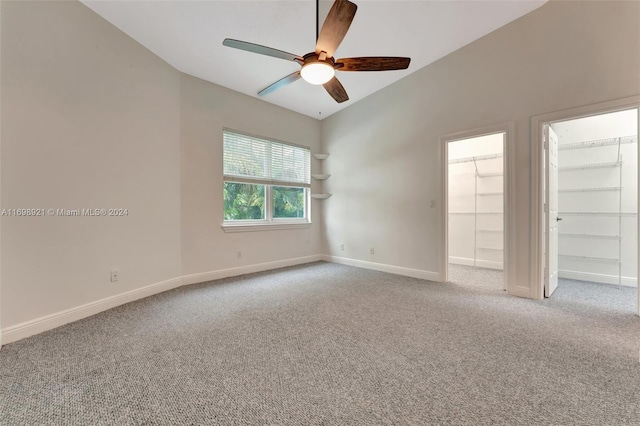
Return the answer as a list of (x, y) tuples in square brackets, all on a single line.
[(589, 194), (475, 217)]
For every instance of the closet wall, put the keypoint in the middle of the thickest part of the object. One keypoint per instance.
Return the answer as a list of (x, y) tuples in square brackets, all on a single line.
[(476, 200), (597, 198)]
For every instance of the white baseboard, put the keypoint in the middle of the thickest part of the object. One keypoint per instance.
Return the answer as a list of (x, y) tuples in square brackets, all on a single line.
[(248, 269), (597, 278), (480, 263), (49, 322), (461, 261), (398, 270)]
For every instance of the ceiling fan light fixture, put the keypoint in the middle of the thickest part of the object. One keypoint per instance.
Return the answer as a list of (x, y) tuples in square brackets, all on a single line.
[(317, 72)]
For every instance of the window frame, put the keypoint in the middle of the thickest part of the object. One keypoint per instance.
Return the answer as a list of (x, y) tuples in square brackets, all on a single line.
[(269, 222)]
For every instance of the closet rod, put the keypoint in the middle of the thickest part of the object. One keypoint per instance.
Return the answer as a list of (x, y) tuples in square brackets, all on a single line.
[(590, 259), (476, 158), (591, 166), (599, 142), (612, 214), (475, 213), (601, 189), (591, 236)]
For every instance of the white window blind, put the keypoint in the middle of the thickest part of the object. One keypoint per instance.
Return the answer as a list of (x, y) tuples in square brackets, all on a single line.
[(252, 159)]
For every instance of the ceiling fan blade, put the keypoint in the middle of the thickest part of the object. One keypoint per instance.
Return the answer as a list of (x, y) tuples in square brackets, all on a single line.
[(280, 83), (335, 27), (335, 89), (262, 50), (373, 63)]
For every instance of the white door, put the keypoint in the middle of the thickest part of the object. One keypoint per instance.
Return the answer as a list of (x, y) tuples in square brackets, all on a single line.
[(551, 211)]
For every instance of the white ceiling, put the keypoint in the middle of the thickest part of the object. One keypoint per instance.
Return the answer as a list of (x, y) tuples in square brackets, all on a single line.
[(189, 34)]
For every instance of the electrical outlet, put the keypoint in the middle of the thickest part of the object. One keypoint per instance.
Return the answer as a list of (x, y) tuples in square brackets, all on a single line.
[(372, 250), (342, 246), (239, 254), (115, 275)]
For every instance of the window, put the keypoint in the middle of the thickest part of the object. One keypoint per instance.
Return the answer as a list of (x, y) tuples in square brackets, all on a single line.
[(265, 182)]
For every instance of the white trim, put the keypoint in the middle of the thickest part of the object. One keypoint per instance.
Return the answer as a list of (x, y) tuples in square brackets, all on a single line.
[(57, 319), (264, 227), (392, 269), (248, 269), (536, 183), (51, 321), (509, 260), (480, 263), (465, 261), (1, 339), (597, 278)]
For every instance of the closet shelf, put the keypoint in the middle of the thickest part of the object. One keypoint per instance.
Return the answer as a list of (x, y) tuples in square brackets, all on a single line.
[(476, 158), (591, 236), (590, 259), (320, 176), (497, 231), (479, 175), (320, 156), (475, 212), (599, 142), (591, 240), (604, 214), (591, 166), (489, 248), (320, 196), (602, 189), (489, 193)]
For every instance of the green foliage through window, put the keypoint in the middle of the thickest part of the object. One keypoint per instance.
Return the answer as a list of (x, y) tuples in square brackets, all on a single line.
[(243, 201), (288, 202)]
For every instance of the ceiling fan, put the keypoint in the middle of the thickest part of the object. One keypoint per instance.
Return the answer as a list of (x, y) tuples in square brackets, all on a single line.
[(319, 66)]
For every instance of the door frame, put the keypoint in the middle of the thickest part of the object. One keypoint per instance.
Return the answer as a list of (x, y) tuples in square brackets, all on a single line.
[(537, 179), (509, 220)]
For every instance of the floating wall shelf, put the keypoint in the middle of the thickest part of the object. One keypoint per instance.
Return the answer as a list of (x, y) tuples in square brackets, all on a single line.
[(320, 177), (320, 156), (320, 196)]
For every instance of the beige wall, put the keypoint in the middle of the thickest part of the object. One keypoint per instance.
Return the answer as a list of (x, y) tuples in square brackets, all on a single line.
[(91, 121), (206, 110), (95, 120), (385, 154)]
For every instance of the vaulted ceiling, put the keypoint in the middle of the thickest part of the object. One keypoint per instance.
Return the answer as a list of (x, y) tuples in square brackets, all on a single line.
[(189, 34)]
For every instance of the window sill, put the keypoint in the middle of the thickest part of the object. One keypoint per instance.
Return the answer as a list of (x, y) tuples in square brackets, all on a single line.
[(264, 227)]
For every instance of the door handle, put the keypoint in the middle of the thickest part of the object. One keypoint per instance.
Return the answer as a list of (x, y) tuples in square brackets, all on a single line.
[(558, 219)]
